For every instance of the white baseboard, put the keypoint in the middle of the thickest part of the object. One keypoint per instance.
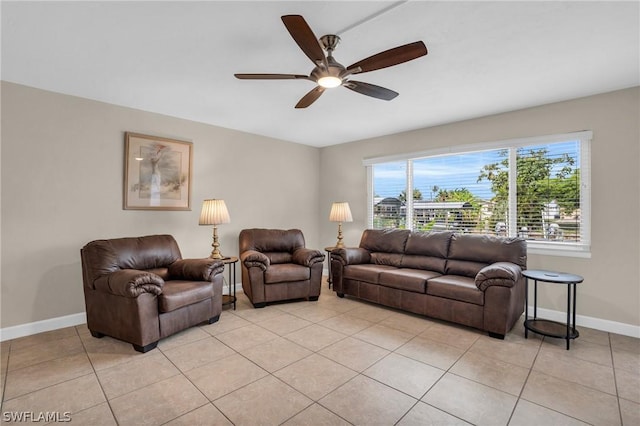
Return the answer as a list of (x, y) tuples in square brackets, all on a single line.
[(28, 329), (590, 322), (23, 330)]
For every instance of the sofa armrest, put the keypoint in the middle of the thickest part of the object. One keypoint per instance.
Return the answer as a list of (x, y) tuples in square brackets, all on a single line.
[(351, 255), (253, 258), (196, 269), (129, 283), (505, 274), (307, 257)]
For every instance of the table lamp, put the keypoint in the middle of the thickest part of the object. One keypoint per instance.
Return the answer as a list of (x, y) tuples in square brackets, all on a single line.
[(340, 212), (214, 212)]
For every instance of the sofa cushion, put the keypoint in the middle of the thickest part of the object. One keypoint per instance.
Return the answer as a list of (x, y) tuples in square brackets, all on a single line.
[(455, 287), (392, 259), (428, 263), (465, 268), (177, 294), (427, 250), (384, 240), (286, 272), (435, 243), (368, 273), (407, 279), (488, 249)]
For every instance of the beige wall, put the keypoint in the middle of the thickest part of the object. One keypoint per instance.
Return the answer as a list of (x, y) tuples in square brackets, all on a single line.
[(611, 289), (62, 175), (62, 167)]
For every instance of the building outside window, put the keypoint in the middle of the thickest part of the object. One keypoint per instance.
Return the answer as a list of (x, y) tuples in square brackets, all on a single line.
[(535, 188)]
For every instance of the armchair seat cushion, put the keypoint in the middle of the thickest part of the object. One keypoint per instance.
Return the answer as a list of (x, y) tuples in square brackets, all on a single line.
[(178, 293), (456, 287), (286, 272)]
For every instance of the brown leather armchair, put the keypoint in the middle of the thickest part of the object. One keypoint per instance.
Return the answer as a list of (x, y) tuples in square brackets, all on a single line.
[(277, 266), (140, 290)]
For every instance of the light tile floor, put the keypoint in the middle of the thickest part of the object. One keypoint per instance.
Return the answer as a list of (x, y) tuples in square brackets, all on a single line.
[(331, 362)]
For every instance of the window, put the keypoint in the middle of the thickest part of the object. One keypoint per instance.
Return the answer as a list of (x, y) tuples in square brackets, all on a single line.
[(536, 188)]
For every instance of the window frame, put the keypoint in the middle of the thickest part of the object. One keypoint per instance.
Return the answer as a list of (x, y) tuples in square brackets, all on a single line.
[(581, 249)]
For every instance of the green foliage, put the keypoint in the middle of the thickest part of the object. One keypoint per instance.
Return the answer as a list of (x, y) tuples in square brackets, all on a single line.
[(417, 195), (540, 180), (470, 216)]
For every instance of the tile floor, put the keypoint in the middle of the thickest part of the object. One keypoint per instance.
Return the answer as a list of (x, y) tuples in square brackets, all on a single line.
[(331, 362)]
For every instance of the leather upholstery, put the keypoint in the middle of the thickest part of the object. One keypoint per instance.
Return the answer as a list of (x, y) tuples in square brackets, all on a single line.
[(276, 266), (140, 289), (475, 280)]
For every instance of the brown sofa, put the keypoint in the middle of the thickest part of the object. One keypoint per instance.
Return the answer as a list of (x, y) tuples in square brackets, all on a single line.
[(140, 289), (474, 280), (276, 266)]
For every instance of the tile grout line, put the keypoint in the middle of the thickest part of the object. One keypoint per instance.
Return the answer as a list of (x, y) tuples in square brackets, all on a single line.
[(182, 373), (95, 373), (615, 378)]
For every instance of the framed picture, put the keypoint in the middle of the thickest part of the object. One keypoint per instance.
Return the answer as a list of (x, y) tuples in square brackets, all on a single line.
[(157, 174)]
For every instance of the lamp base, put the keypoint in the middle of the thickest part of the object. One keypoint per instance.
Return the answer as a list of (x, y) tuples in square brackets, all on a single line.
[(215, 253), (340, 244)]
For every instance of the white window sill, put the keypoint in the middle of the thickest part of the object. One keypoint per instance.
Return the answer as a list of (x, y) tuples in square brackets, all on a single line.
[(534, 247)]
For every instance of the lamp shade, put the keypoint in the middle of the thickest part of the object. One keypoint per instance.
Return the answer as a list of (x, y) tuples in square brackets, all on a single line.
[(340, 212), (214, 212)]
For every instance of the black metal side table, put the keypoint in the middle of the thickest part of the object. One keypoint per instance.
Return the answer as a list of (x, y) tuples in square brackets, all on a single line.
[(329, 250), (230, 299), (545, 327)]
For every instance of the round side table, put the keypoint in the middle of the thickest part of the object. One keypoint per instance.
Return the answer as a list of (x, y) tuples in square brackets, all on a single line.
[(230, 299), (545, 327), (329, 250)]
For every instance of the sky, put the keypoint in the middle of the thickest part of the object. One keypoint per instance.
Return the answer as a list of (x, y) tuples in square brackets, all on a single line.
[(449, 172)]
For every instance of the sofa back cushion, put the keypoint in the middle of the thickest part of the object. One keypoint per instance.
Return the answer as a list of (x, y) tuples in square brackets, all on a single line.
[(384, 240), (148, 253), (391, 259), (427, 250), (277, 244), (385, 245), (469, 253)]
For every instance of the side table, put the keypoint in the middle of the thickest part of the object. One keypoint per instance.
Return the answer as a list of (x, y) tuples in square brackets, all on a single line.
[(545, 327), (230, 299), (329, 250)]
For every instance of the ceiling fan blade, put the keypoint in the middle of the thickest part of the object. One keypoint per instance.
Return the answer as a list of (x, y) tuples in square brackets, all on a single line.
[(371, 90), (390, 57), (304, 37), (310, 97), (271, 76)]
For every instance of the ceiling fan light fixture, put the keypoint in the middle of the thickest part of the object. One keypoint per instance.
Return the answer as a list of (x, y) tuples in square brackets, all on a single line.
[(329, 81), (329, 73)]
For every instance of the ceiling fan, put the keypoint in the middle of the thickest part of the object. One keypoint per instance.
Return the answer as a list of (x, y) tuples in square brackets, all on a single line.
[(328, 73)]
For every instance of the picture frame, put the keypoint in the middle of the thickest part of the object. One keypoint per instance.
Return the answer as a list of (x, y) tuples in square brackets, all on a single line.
[(157, 173)]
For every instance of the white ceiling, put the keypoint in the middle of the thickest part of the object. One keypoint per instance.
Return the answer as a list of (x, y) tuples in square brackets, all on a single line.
[(178, 59)]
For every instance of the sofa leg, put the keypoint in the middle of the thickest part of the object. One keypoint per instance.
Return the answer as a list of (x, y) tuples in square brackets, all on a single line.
[(145, 348), (214, 319), (97, 334), (313, 298), (496, 335), (340, 295), (260, 305)]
